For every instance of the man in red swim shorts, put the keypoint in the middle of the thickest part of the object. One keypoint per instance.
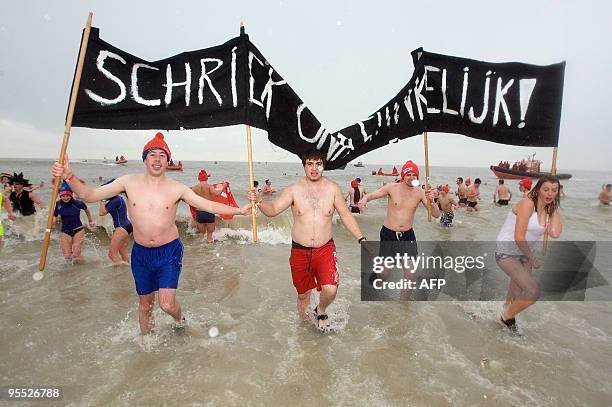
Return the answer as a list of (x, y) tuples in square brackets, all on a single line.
[(313, 200)]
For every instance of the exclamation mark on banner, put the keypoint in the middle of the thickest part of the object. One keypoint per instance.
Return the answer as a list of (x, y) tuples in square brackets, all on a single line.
[(526, 89)]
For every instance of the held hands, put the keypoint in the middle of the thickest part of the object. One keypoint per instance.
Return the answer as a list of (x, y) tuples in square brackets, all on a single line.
[(363, 203), (59, 170), (253, 195), (429, 194), (246, 209)]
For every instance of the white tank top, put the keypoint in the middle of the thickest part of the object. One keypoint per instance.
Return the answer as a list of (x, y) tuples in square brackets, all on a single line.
[(505, 238)]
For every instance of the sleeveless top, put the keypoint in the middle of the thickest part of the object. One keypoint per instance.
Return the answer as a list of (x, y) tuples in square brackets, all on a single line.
[(24, 204), (505, 239)]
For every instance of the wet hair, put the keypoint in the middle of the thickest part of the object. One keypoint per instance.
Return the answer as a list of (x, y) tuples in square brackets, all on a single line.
[(315, 155), (460, 179), (501, 181), (255, 184), (477, 181), (267, 181), (608, 185), (359, 180), (533, 194)]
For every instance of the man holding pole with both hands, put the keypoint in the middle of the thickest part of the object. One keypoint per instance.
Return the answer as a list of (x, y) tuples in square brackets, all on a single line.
[(152, 203)]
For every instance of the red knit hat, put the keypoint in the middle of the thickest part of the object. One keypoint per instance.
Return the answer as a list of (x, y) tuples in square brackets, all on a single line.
[(410, 167), (445, 188), (526, 182), (354, 183), (203, 175), (156, 142)]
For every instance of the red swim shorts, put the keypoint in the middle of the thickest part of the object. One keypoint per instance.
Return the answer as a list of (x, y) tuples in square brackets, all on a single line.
[(313, 267)]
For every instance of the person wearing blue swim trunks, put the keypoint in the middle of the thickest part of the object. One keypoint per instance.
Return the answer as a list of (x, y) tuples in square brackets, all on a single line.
[(72, 233), (116, 207), (152, 200)]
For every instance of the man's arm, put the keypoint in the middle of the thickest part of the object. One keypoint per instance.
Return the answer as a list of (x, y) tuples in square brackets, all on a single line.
[(87, 194), (428, 196), (271, 209), (36, 199), (379, 193), (9, 209), (347, 219), (191, 198), (102, 211)]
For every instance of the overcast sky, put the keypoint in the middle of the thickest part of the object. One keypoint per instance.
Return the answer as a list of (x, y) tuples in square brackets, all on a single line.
[(345, 59)]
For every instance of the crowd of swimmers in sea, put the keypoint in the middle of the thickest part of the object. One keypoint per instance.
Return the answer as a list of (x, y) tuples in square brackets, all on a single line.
[(156, 256)]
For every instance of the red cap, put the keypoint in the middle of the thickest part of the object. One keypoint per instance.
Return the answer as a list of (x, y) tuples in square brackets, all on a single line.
[(468, 181), (526, 182), (445, 188), (354, 183), (203, 175), (410, 167), (156, 142)]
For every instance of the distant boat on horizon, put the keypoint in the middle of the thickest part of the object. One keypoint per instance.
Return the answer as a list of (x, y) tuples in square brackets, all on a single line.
[(359, 164)]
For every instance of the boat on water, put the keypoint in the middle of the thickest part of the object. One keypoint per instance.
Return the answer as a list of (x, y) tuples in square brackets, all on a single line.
[(359, 164), (527, 168), (120, 160), (174, 166)]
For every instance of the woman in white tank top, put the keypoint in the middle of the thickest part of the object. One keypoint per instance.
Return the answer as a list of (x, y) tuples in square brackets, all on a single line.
[(524, 225)]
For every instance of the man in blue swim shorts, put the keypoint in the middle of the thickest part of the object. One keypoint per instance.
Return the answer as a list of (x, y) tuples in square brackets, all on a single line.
[(152, 200)]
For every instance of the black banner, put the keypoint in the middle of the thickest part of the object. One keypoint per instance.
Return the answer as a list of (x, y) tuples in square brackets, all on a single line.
[(234, 83)]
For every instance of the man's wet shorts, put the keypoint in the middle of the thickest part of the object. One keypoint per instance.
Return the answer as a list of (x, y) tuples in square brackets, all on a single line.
[(313, 266), (205, 217), (393, 243), (156, 267)]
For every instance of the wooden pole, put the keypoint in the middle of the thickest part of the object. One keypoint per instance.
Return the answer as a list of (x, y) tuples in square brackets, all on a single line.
[(427, 175), (251, 181), (553, 172), (68, 126)]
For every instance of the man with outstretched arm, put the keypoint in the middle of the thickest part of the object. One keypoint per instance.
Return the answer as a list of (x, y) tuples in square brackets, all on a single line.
[(152, 202), (313, 262), (403, 198)]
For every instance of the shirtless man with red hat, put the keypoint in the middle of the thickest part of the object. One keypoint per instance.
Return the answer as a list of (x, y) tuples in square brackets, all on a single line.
[(205, 221), (403, 198), (152, 202)]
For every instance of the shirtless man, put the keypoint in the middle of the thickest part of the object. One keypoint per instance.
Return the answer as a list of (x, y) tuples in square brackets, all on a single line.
[(205, 221), (503, 192), (267, 189), (473, 195), (446, 203), (402, 201), (152, 202), (461, 192), (605, 196), (354, 194), (525, 186), (313, 262)]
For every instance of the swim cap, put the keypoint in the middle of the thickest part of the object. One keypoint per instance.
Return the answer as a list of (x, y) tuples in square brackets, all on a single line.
[(65, 189), (156, 142), (410, 167), (445, 188), (203, 175), (354, 184), (526, 183)]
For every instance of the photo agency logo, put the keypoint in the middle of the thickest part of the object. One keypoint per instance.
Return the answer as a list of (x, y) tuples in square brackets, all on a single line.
[(470, 271)]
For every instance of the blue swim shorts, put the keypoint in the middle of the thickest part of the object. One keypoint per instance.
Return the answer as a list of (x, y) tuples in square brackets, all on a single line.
[(156, 267), (205, 217)]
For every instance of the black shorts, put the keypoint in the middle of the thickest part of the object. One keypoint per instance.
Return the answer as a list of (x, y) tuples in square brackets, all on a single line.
[(392, 242), (355, 209), (463, 201), (73, 232), (205, 217), (472, 204), (503, 202), (128, 228)]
